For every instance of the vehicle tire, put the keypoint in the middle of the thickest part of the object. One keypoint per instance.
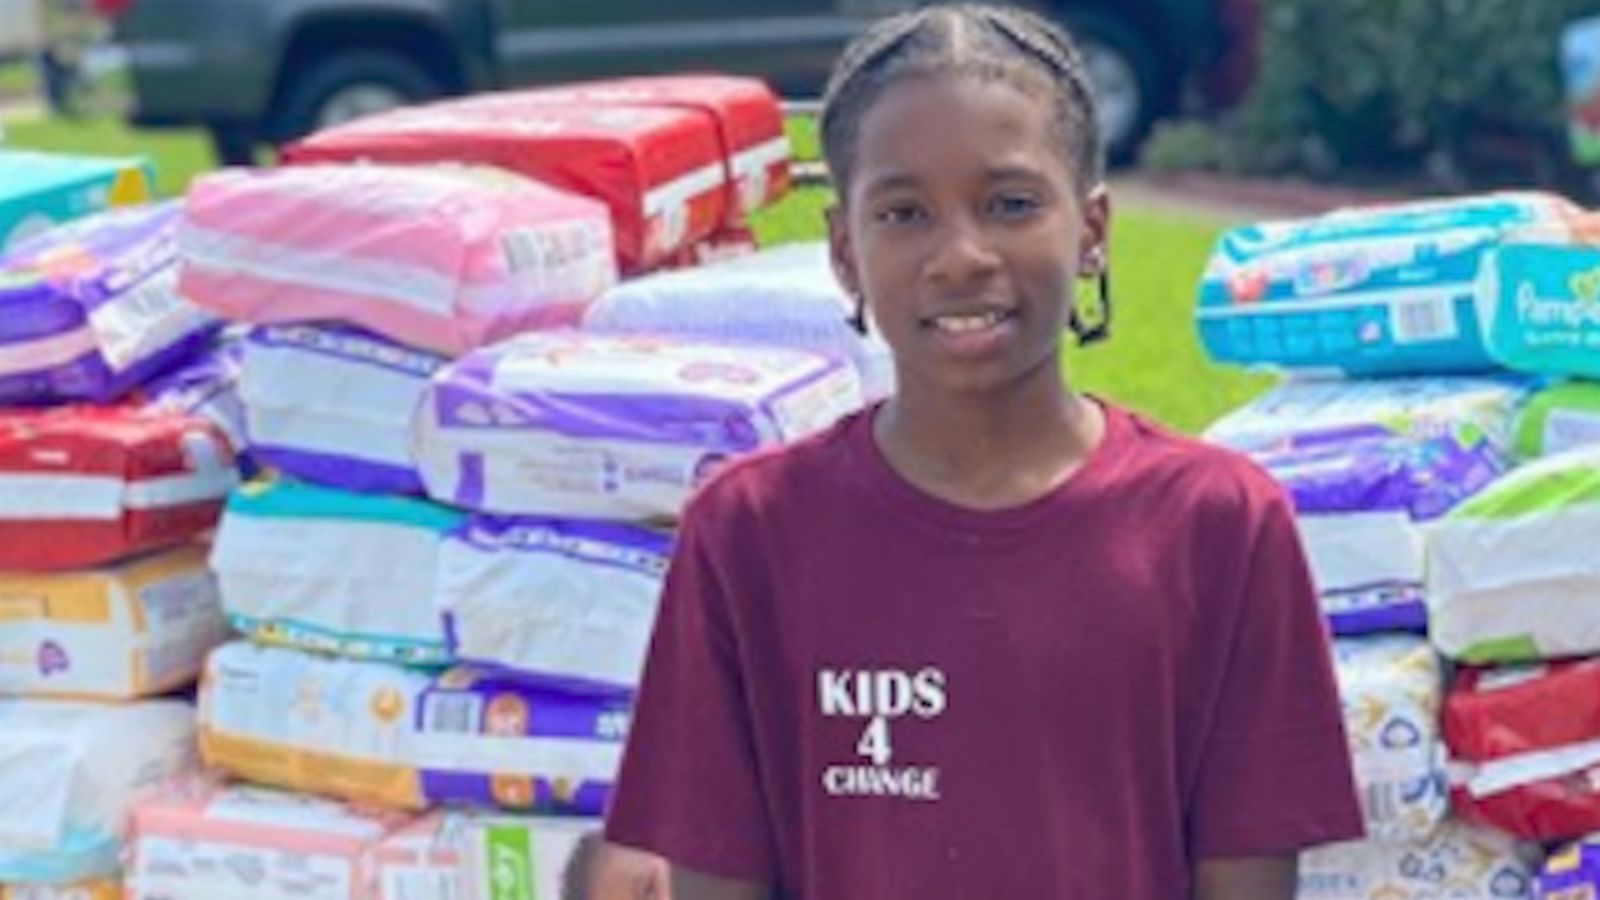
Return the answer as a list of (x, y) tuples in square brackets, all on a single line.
[(348, 84), (234, 145), (1126, 74)]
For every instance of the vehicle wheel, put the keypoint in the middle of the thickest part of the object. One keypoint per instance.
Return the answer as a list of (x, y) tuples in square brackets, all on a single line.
[(1125, 73), (235, 145), (347, 85)]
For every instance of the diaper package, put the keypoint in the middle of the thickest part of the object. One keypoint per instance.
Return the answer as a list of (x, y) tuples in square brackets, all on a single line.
[(1542, 293), (332, 404), (204, 841), (439, 258), (91, 309), (65, 798), (486, 740), (1389, 290), (82, 486), (1512, 573), (746, 113), (207, 386), (334, 571), (1572, 872), (1525, 748), (1460, 861), (456, 856), (561, 601), (659, 170), (133, 630), (1392, 687), (1365, 462), (784, 296), (571, 425), (337, 728), (1559, 418)]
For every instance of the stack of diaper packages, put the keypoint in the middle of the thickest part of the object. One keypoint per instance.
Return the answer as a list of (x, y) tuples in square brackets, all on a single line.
[(1424, 424), (115, 459)]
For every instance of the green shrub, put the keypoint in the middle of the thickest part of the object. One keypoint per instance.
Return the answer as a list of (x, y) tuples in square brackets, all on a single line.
[(1361, 84)]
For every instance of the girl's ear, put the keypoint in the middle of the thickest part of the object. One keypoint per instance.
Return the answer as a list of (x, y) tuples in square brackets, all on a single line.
[(841, 250), (1095, 247)]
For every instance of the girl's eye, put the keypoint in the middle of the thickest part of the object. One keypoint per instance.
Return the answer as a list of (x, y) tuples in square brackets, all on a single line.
[(1014, 206), (900, 214)]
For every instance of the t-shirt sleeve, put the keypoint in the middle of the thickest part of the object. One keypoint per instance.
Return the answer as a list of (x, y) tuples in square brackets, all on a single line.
[(689, 788), (1275, 772)]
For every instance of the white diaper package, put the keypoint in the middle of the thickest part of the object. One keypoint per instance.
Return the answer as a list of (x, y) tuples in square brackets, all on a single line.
[(785, 296), (1392, 687), (474, 856), (99, 889), (1460, 862), (70, 774), (568, 601), (1513, 573), (136, 629), (292, 720), (334, 571), (332, 404)]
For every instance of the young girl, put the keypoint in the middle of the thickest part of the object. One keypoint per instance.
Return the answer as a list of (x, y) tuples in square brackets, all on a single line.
[(992, 638)]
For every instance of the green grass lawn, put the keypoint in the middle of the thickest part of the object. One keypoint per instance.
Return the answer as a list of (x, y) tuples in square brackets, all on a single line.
[(1153, 362)]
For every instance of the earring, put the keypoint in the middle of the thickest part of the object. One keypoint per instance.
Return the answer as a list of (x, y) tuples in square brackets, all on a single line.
[(1099, 328), (858, 319)]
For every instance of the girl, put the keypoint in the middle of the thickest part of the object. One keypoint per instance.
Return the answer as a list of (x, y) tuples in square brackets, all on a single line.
[(991, 638)]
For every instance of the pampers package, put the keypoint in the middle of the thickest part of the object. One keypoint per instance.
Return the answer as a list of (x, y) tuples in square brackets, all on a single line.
[(1365, 462), (784, 296), (1541, 294), (92, 309), (439, 258), (40, 191), (332, 404), (1525, 748), (315, 724), (478, 856), (70, 774), (560, 600), (136, 629), (659, 170), (1388, 290), (1392, 687), (490, 740), (1512, 573), (200, 840), (567, 424), (334, 571), (83, 486), (1457, 863)]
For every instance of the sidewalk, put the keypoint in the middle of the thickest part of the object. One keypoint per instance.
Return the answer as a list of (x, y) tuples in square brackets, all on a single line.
[(1237, 200)]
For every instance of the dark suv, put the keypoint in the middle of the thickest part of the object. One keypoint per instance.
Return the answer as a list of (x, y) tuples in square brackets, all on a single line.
[(269, 70)]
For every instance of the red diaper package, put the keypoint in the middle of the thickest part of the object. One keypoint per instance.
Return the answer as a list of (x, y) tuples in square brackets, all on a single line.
[(1525, 748), (659, 169), (82, 486)]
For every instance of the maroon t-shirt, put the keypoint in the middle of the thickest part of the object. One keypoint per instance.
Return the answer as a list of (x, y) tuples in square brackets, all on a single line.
[(857, 691)]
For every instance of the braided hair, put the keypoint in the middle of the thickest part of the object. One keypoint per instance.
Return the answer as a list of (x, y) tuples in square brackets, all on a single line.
[(1002, 43)]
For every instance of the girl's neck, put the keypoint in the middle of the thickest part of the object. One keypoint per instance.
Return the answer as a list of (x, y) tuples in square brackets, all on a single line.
[(989, 450)]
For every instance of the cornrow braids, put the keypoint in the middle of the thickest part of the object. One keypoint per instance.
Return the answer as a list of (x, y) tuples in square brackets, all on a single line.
[(1004, 43)]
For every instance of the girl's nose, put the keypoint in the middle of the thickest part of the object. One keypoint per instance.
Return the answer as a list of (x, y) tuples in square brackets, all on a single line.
[(960, 254)]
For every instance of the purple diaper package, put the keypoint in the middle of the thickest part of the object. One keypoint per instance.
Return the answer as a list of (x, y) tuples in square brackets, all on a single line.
[(1365, 463), (490, 740), (90, 310), (207, 386), (332, 405)]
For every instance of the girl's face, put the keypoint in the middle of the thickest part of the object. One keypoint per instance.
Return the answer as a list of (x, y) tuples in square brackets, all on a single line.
[(965, 230)]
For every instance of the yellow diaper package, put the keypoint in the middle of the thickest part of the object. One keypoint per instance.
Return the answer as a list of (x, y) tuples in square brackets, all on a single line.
[(332, 727), (136, 629), (87, 890)]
